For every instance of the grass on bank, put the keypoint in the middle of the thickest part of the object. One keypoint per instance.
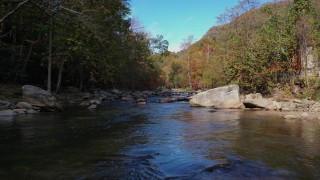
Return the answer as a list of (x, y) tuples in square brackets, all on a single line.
[(10, 92)]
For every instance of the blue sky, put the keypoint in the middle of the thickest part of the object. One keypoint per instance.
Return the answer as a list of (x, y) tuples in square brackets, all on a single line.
[(178, 19)]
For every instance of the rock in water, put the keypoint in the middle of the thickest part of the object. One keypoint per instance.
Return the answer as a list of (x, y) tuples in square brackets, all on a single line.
[(257, 101), (226, 97), (141, 101), (93, 106), (8, 113), (7, 105), (24, 105), (40, 98), (20, 111)]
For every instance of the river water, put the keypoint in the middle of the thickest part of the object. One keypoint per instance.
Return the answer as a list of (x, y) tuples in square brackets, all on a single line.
[(158, 141)]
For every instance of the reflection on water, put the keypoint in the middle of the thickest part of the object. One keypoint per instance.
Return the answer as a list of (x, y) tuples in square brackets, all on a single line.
[(157, 141)]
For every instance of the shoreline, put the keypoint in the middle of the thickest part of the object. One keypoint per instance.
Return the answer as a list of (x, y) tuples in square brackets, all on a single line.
[(93, 99)]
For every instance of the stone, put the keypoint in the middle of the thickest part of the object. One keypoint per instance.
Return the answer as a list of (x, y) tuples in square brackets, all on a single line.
[(8, 113), (40, 98), (94, 101), (315, 107), (86, 96), (257, 101), (116, 91), (20, 111), (7, 105), (93, 106), (297, 101), (141, 100), (273, 106), (85, 103), (288, 106), (253, 96), (148, 93), (290, 116), (222, 97), (304, 115), (24, 105), (105, 93)]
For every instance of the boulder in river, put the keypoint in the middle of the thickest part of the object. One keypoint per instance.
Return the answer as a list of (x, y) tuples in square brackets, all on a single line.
[(257, 101), (24, 105), (141, 101), (20, 111), (32, 111), (93, 106), (7, 113), (315, 107), (7, 105), (226, 97), (40, 98)]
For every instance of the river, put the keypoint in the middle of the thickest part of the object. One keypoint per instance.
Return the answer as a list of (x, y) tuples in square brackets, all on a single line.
[(157, 141)]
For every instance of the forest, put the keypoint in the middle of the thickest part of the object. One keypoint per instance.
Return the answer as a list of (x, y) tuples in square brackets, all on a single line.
[(87, 44), (83, 44), (259, 47)]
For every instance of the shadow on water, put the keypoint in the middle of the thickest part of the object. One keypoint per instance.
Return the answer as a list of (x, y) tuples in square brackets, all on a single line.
[(157, 141)]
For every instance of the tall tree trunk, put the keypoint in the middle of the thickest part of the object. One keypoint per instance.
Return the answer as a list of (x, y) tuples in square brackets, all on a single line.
[(27, 59), (50, 55), (60, 76), (81, 78), (14, 42)]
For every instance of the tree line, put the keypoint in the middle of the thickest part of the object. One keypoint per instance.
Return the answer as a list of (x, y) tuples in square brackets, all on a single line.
[(85, 44)]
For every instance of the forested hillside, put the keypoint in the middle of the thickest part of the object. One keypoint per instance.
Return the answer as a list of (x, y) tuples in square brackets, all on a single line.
[(257, 47), (77, 43)]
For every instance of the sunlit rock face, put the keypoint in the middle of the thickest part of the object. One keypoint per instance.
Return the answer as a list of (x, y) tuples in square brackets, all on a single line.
[(226, 97)]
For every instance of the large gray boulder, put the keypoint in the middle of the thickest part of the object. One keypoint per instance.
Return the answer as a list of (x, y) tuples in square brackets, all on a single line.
[(226, 97), (40, 98)]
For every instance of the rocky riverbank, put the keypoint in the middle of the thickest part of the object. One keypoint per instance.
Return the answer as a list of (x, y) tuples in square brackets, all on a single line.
[(35, 99), (98, 96), (228, 97)]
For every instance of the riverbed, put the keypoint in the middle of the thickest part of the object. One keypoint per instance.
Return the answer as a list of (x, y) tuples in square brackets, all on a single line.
[(158, 141)]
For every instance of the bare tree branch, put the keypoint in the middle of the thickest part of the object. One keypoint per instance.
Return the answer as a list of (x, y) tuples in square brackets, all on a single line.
[(76, 12), (13, 11)]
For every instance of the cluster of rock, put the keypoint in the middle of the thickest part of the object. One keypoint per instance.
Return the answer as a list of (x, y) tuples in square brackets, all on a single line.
[(35, 100), (97, 97), (228, 97), (257, 101), (16, 109)]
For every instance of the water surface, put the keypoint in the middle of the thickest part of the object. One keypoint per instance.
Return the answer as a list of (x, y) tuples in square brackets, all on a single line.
[(157, 141)]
